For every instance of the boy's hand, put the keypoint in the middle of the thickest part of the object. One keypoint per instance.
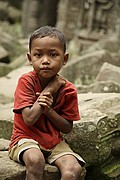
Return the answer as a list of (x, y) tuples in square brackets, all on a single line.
[(55, 84), (60, 79), (45, 100)]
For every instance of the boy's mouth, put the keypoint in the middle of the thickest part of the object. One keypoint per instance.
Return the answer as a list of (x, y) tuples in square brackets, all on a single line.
[(45, 68)]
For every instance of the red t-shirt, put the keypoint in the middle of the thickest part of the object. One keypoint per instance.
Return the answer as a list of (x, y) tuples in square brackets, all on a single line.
[(43, 131)]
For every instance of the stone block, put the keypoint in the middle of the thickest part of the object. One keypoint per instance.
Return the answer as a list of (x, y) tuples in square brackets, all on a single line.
[(10, 170)]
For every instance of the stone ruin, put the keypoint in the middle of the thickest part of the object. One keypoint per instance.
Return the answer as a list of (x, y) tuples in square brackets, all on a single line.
[(89, 20), (94, 67)]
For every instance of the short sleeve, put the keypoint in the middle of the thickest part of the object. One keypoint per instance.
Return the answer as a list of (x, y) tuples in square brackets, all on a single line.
[(24, 95), (69, 109)]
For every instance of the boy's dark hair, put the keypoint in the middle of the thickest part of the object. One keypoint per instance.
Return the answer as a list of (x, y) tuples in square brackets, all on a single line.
[(48, 31)]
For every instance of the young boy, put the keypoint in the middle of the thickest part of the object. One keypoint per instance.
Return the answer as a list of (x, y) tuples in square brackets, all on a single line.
[(45, 106)]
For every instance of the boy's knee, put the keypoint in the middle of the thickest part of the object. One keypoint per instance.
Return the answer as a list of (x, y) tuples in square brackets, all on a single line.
[(83, 173), (68, 175), (34, 159), (35, 164), (80, 171), (77, 172)]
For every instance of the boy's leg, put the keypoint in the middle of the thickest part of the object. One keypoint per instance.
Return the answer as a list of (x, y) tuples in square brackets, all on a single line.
[(28, 152), (70, 168), (35, 163), (70, 164)]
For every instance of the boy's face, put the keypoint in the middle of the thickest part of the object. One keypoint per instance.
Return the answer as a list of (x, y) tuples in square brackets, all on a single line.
[(47, 56)]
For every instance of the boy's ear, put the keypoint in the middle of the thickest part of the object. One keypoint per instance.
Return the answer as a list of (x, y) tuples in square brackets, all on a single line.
[(29, 58), (66, 56)]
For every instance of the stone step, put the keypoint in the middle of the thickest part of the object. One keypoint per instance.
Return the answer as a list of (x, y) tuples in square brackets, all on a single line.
[(10, 170)]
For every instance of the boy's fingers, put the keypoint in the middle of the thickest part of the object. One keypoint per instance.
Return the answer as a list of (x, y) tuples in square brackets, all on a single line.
[(45, 105), (48, 94), (45, 96), (37, 93), (45, 100)]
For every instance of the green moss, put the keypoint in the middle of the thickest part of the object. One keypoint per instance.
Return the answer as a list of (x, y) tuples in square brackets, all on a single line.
[(111, 167)]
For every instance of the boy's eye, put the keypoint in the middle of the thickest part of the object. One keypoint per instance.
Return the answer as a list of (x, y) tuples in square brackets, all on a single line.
[(38, 54), (53, 54)]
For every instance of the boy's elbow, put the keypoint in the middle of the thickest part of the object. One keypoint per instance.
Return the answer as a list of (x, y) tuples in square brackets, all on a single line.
[(65, 132), (67, 129), (28, 119), (28, 122)]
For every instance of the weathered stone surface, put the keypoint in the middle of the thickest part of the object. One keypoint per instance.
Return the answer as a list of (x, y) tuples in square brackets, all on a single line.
[(8, 12), (68, 14), (3, 7), (5, 99), (3, 55), (116, 57), (10, 170), (110, 44), (4, 69), (94, 136), (6, 120), (11, 44), (11, 81), (89, 16), (109, 72), (100, 87), (4, 144), (19, 61), (98, 132), (5, 129), (86, 67)]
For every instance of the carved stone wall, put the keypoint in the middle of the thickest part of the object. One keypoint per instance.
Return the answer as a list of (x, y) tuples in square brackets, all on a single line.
[(68, 14), (99, 16)]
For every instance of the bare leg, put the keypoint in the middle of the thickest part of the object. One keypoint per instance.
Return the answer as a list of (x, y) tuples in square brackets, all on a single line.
[(35, 163), (70, 168)]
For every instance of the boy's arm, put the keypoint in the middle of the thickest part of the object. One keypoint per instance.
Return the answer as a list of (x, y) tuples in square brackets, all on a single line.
[(54, 84), (32, 114), (59, 122)]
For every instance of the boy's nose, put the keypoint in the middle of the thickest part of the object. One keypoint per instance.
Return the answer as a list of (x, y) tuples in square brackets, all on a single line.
[(45, 60)]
